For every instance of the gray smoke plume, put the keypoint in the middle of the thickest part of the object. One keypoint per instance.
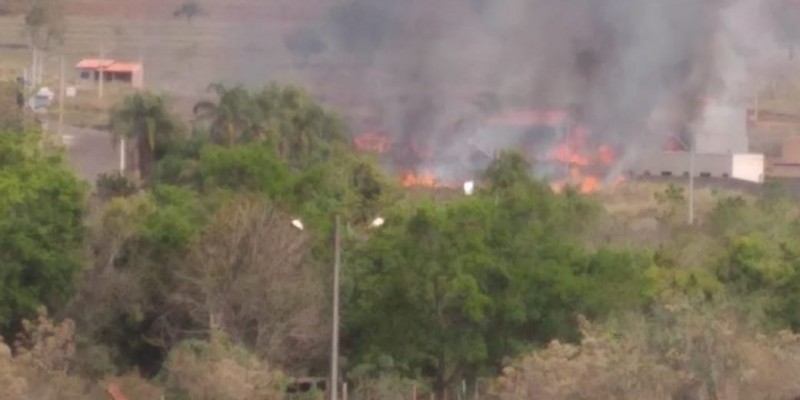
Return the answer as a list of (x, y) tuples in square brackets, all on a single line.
[(634, 70)]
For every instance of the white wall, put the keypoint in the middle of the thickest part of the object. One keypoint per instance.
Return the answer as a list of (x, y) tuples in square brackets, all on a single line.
[(748, 167), (679, 163)]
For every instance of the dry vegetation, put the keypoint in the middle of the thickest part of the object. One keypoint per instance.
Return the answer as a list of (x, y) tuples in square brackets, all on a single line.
[(248, 275), (680, 352), (219, 370), (40, 366)]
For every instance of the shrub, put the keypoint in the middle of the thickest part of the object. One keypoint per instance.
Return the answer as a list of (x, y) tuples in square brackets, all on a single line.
[(682, 352)]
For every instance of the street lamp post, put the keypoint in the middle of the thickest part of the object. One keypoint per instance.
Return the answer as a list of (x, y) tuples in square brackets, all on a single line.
[(335, 330), (337, 255), (691, 178), (334, 378)]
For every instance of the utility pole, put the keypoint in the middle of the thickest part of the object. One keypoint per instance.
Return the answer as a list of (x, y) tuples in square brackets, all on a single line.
[(691, 176), (40, 58), (102, 78), (62, 97), (335, 331), (33, 66), (122, 156)]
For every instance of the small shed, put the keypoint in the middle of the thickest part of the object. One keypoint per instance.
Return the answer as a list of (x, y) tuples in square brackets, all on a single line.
[(91, 70)]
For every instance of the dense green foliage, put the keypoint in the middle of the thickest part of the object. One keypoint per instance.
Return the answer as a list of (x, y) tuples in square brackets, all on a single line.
[(41, 232), (472, 281), (444, 291), (144, 121)]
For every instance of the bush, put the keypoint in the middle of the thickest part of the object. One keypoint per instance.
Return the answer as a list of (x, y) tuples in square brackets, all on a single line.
[(218, 370), (114, 185), (681, 352)]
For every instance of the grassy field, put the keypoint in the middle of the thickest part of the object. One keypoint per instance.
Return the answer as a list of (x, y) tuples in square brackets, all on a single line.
[(180, 58)]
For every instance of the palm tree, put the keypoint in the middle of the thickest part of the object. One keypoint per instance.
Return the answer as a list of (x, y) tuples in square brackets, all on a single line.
[(233, 117), (286, 116), (298, 125), (143, 119)]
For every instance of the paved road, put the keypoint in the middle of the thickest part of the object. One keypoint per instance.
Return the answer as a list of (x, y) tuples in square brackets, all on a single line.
[(90, 152)]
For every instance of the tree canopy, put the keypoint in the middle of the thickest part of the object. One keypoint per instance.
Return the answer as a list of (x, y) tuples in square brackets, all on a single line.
[(472, 281), (41, 232), (196, 275)]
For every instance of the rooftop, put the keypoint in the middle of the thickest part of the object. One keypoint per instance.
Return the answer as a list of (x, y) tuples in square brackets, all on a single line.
[(94, 63), (108, 65)]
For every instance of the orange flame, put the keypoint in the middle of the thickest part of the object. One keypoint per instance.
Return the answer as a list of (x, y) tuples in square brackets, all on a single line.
[(424, 179), (575, 153)]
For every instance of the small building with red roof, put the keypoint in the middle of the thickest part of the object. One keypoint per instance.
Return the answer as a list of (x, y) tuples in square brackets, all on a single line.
[(93, 69)]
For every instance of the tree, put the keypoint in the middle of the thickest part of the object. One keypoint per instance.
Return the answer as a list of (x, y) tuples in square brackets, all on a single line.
[(11, 114), (144, 121), (232, 118), (124, 293), (249, 275), (679, 350), (45, 22), (254, 167), (286, 117), (304, 43), (41, 233), (474, 280), (188, 9), (218, 369)]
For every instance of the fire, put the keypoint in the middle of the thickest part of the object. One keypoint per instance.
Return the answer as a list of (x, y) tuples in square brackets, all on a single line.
[(605, 155), (423, 179), (584, 163)]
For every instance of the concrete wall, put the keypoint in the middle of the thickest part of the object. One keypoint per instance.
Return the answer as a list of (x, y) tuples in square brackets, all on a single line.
[(748, 167), (787, 165), (678, 163)]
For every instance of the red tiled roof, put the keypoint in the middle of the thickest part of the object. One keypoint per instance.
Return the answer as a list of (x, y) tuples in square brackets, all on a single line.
[(93, 63), (108, 65), (123, 67)]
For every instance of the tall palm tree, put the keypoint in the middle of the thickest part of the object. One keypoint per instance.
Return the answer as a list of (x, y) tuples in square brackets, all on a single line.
[(233, 117), (298, 125), (285, 116), (143, 119)]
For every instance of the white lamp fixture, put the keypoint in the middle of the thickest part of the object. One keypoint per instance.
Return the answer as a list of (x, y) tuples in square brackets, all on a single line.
[(377, 222), (297, 224)]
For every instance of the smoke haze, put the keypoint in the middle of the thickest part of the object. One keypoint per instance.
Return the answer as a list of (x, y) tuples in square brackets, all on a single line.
[(636, 70)]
